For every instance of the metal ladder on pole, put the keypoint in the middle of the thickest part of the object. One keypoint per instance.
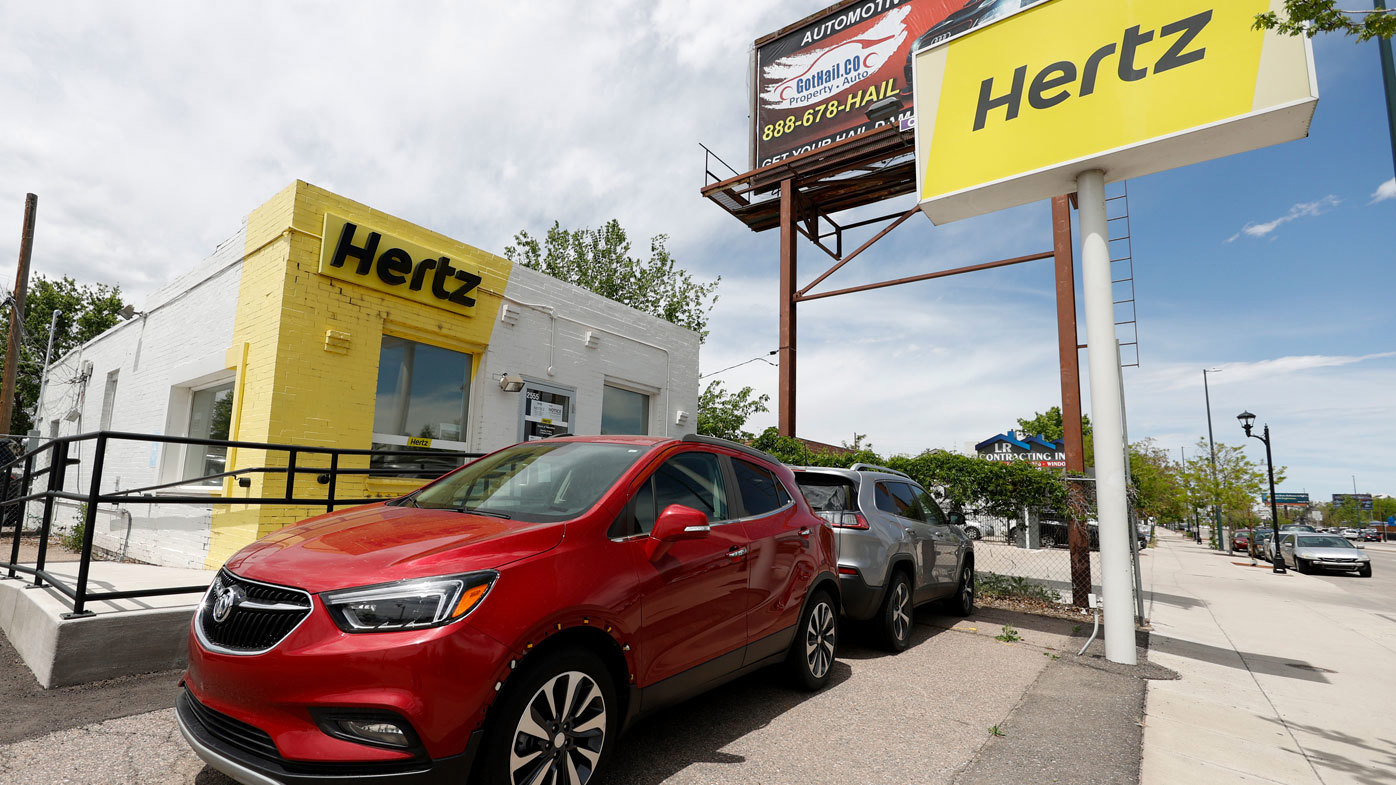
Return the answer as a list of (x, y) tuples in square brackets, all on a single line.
[(1122, 274)]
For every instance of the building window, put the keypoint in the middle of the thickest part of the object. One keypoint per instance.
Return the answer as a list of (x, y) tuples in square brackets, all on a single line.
[(423, 394), (624, 411), (210, 415), (108, 400)]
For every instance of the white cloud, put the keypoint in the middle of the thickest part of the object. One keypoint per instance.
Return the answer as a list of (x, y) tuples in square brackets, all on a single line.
[(1301, 210), (1386, 190)]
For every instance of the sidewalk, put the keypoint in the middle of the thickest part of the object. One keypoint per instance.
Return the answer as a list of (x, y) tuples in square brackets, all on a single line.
[(1283, 679)]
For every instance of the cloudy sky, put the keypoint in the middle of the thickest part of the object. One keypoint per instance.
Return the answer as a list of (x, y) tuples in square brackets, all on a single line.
[(149, 129)]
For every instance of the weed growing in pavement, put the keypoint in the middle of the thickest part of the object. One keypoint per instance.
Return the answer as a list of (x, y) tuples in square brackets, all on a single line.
[(1009, 635), (72, 540), (994, 731), (1050, 655), (1075, 628), (1012, 587)]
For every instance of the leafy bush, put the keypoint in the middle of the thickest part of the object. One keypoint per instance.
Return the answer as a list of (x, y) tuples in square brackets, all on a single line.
[(1013, 587)]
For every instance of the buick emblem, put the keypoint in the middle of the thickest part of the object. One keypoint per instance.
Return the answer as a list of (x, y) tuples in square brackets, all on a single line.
[(227, 600)]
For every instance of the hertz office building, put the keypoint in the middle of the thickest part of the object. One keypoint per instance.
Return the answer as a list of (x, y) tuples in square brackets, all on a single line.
[(326, 323)]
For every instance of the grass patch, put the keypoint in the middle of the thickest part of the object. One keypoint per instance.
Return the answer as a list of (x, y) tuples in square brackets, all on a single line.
[(1009, 634), (994, 731), (1012, 587)]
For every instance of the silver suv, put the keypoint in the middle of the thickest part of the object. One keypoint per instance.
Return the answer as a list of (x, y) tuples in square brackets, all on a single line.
[(897, 549)]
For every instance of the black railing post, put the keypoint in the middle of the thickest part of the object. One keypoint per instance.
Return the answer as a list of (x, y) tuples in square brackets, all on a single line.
[(334, 476), (290, 475), (89, 527), (57, 468), (24, 483)]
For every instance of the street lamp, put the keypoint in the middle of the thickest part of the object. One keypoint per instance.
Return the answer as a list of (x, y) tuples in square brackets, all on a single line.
[(1247, 422)]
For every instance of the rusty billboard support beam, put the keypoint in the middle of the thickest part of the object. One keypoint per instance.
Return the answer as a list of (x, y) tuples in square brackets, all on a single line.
[(785, 394), (865, 246), (1067, 349), (927, 276)]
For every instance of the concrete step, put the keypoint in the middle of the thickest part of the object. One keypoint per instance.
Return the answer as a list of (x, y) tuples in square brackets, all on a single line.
[(122, 638)]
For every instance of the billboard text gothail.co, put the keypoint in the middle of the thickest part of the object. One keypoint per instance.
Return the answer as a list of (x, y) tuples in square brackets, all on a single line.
[(815, 80)]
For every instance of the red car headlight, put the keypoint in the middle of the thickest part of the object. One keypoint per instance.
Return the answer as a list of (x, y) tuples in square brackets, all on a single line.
[(408, 605)]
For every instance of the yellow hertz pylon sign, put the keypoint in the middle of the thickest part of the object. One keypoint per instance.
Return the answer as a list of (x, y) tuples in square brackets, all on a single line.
[(1011, 113)]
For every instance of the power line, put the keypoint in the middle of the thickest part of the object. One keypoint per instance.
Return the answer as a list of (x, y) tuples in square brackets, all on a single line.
[(762, 358)]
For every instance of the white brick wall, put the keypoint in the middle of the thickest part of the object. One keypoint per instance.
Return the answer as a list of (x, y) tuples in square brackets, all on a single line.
[(621, 355), (181, 338)]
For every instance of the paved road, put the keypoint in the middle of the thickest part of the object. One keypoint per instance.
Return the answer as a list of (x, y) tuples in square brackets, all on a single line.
[(1377, 593), (919, 717)]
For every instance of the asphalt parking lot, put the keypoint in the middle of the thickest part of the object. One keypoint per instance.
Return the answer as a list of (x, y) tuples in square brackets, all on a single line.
[(919, 717)]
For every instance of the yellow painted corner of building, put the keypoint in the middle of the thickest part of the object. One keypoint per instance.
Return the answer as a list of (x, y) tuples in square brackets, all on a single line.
[(301, 319)]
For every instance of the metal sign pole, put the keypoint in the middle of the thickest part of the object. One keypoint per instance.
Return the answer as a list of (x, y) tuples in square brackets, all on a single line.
[(1107, 419)]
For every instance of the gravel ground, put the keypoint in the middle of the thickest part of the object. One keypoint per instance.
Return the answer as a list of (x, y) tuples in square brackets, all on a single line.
[(918, 717)]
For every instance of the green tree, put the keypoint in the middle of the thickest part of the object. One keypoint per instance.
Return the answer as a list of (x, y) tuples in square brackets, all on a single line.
[(601, 260), (85, 311), (1311, 17), (1050, 425), (724, 415), (1237, 487), (1158, 489)]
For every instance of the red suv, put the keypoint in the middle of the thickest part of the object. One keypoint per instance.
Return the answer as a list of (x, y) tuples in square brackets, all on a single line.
[(510, 619)]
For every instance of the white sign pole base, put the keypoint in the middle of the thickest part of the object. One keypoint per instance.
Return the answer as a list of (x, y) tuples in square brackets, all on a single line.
[(1106, 419)]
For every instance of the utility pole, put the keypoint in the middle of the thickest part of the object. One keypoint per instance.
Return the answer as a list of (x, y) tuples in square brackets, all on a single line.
[(1212, 448), (1388, 78), (48, 356), (26, 247)]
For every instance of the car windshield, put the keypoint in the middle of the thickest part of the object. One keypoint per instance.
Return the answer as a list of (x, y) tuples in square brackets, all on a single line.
[(1323, 541), (538, 481)]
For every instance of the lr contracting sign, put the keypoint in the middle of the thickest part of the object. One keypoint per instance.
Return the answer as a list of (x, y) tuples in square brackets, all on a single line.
[(1012, 112), (1019, 446), (815, 79)]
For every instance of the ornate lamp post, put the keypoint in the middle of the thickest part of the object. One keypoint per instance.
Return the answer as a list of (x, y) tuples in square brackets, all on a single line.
[(1247, 422)]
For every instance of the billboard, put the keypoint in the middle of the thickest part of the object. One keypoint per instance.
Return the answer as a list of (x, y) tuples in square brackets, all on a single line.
[(814, 80), (1363, 500), (1012, 112)]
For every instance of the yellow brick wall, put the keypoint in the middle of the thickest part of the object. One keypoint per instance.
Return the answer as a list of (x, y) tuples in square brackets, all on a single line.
[(296, 387)]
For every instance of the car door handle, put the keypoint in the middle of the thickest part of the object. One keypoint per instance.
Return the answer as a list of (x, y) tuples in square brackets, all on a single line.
[(737, 551)]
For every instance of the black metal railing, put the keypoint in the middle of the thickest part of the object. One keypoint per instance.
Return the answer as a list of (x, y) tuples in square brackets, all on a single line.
[(19, 477)]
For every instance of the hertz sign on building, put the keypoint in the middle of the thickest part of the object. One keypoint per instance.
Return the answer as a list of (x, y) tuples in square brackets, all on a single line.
[(324, 322)]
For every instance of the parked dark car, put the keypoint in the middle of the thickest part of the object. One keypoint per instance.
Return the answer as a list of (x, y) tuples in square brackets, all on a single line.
[(508, 621), (1053, 532)]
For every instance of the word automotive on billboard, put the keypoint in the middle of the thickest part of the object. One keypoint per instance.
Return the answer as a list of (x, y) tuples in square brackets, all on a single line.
[(1012, 112), (815, 80)]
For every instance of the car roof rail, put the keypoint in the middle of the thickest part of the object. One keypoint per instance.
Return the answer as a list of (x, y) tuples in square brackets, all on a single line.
[(694, 438), (872, 467)]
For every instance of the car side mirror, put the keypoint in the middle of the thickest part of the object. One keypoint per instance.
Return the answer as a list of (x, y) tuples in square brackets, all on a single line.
[(957, 519), (678, 522)]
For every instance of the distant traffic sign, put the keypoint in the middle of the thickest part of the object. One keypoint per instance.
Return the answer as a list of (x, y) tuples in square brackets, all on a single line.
[(1287, 498)]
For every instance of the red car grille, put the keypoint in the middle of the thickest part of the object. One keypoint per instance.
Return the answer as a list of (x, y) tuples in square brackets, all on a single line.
[(265, 615)]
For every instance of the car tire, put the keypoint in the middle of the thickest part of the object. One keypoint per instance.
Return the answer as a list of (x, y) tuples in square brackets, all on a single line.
[(961, 603), (897, 613), (1365, 571), (973, 532), (1047, 539), (811, 658), (514, 748), (1301, 565)]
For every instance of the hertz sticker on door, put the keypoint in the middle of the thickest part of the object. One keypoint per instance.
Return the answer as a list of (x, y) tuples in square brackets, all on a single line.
[(1011, 113)]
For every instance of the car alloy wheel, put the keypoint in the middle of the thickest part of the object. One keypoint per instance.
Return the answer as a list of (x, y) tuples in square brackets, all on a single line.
[(964, 595), (896, 612), (561, 733), (820, 637), (901, 611)]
